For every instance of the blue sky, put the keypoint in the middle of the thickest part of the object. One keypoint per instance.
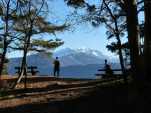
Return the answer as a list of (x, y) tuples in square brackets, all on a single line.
[(80, 36), (83, 35)]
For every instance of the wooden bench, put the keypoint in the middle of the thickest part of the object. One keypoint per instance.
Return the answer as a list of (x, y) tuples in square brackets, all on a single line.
[(33, 70), (104, 74), (30, 69)]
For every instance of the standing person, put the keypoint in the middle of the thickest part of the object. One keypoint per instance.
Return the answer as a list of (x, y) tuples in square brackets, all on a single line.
[(56, 67)]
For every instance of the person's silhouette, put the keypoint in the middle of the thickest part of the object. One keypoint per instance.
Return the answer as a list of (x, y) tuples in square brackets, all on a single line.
[(108, 70), (56, 67), (105, 62)]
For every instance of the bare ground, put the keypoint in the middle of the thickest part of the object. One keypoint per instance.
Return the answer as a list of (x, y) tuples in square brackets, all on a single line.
[(51, 95)]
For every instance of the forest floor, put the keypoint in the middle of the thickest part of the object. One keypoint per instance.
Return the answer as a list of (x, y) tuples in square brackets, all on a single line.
[(57, 95)]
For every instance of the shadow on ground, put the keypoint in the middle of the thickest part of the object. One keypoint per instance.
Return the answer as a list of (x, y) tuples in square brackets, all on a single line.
[(105, 99)]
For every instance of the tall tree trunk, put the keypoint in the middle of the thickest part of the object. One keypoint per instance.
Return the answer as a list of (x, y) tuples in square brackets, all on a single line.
[(5, 37), (3, 58), (147, 40), (122, 61), (132, 28), (23, 66), (24, 62), (120, 52), (23, 69), (120, 49)]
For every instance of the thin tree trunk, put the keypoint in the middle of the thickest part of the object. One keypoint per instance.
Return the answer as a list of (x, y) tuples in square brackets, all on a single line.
[(119, 44), (25, 78), (23, 67), (5, 37), (24, 63), (23, 70), (120, 52), (121, 56), (122, 64), (118, 40), (3, 59)]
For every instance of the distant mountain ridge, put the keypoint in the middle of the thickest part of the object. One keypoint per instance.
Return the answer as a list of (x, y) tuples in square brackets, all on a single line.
[(70, 57), (69, 51)]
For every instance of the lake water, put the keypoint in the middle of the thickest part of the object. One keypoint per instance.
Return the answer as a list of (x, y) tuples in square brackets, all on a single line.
[(79, 76)]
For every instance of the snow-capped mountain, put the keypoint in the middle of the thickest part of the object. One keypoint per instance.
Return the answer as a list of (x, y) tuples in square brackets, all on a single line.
[(64, 52), (81, 62), (79, 56), (89, 51), (69, 51)]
